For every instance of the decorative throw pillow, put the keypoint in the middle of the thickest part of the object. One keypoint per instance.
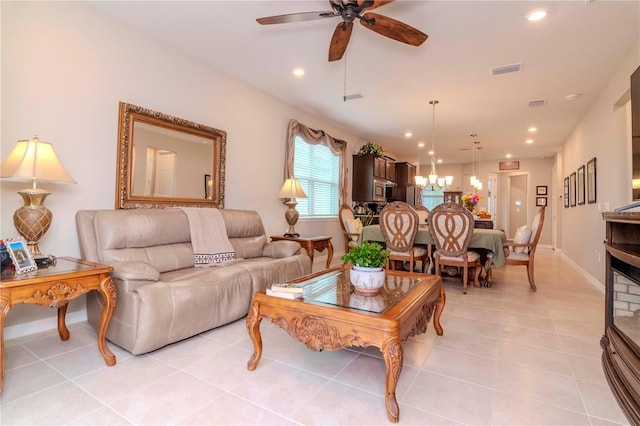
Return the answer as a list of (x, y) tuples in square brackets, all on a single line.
[(523, 234), (354, 226)]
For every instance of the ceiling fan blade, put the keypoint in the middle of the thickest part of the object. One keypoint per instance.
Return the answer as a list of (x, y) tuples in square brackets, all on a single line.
[(295, 17), (340, 40), (391, 28), (373, 4)]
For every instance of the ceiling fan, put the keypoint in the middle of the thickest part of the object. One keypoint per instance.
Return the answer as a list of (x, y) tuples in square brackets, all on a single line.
[(349, 11)]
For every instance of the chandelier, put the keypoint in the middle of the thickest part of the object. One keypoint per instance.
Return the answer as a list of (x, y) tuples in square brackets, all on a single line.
[(433, 182)]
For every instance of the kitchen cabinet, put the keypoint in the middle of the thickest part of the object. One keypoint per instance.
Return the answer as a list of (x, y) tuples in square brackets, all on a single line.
[(371, 176), (406, 189)]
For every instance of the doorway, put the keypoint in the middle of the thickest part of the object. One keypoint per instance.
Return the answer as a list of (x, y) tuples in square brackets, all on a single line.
[(517, 203)]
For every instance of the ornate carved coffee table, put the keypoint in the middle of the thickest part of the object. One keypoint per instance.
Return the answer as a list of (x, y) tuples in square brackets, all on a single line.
[(331, 316)]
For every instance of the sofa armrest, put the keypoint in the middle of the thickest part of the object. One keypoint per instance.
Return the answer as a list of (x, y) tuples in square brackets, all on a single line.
[(130, 270), (280, 248)]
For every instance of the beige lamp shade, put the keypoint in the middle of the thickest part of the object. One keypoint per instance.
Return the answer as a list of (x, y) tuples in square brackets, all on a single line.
[(34, 160), (292, 189)]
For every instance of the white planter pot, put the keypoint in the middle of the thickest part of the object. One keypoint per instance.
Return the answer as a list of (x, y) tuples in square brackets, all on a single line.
[(367, 281)]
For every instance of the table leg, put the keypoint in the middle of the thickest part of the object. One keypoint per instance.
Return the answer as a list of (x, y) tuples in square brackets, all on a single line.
[(393, 358), (329, 254), (110, 297), (5, 305), (439, 309), (253, 327), (63, 331)]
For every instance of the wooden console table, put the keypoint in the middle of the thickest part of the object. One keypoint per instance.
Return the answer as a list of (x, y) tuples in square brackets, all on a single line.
[(55, 287), (311, 243)]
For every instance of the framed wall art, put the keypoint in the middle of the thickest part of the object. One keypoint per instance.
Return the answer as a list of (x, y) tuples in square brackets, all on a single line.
[(572, 189), (566, 192), (591, 181), (541, 201), (581, 185), (541, 190), (20, 255)]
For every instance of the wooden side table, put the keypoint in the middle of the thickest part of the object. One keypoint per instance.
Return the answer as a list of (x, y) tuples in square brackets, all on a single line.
[(311, 243), (55, 287)]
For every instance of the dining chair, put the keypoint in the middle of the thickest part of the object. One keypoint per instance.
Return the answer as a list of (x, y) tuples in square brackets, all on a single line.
[(521, 250), (451, 227), (351, 226), (423, 213), (399, 226)]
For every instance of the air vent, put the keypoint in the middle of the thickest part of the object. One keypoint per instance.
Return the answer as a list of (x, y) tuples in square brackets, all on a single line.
[(506, 69), (536, 103), (351, 97)]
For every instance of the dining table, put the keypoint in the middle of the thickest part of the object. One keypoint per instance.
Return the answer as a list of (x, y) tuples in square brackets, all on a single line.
[(485, 240)]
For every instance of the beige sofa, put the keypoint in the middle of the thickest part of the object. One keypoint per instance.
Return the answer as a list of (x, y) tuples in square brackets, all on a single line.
[(162, 297)]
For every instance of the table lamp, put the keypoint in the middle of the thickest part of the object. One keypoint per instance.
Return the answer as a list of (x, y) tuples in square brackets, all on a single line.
[(34, 161), (290, 191)]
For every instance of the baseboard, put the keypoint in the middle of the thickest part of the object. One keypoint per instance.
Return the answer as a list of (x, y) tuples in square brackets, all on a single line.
[(46, 324), (597, 284)]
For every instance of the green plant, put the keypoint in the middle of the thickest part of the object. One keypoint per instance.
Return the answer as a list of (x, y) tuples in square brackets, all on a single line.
[(367, 255), (371, 148)]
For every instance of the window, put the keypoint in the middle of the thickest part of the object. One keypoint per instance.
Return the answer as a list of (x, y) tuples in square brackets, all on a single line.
[(318, 171), (430, 199)]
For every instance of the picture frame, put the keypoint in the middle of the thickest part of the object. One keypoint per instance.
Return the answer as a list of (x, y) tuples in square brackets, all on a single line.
[(572, 189), (566, 192), (591, 181), (208, 186), (541, 201), (541, 190), (20, 255), (509, 165), (581, 185)]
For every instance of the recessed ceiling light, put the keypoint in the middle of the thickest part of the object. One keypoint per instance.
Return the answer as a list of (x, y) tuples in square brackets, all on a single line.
[(507, 156), (439, 160), (298, 72), (532, 129), (572, 97), (430, 152), (536, 15), (529, 141), (421, 145), (408, 135)]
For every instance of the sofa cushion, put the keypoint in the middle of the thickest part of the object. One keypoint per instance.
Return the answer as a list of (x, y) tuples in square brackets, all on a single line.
[(280, 249)]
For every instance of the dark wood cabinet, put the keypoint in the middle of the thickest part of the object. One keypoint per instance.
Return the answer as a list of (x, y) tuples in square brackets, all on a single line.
[(635, 131), (371, 177), (453, 197), (621, 339), (405, 189)]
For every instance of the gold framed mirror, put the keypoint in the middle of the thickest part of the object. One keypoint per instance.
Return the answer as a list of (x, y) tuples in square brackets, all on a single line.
[(162, 161)]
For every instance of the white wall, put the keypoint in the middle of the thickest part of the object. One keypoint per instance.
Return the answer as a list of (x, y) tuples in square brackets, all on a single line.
[(65, 67), (604, 133)]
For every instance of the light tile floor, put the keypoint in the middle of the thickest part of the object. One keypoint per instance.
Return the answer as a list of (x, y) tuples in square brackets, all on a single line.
[(508, 357)]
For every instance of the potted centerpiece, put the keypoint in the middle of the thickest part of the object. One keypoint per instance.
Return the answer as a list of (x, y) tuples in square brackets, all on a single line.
[(371, 148), (367, 272)]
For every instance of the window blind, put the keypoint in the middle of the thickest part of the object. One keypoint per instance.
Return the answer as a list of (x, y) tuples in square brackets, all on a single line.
[(318, 171)]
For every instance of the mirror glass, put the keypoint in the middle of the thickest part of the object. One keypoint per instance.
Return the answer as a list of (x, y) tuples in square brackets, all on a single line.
[(168, 161)]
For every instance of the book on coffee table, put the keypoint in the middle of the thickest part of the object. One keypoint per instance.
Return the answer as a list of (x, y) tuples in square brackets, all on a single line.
[(287, 288), (284, 294)]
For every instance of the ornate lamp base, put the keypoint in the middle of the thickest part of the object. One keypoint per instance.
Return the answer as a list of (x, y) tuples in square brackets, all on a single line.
[(291, 215), (33, 219)]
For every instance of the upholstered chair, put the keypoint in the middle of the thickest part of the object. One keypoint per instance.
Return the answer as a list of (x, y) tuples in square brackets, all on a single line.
[(522, 249), (351, 226), (399, 226), (451, 227), (423, 213)]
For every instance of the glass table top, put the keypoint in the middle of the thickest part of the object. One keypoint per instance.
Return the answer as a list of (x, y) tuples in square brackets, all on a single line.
[(334, 288)]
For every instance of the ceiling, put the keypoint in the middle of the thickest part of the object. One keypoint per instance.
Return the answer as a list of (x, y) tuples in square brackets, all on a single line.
[(573, 51)]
